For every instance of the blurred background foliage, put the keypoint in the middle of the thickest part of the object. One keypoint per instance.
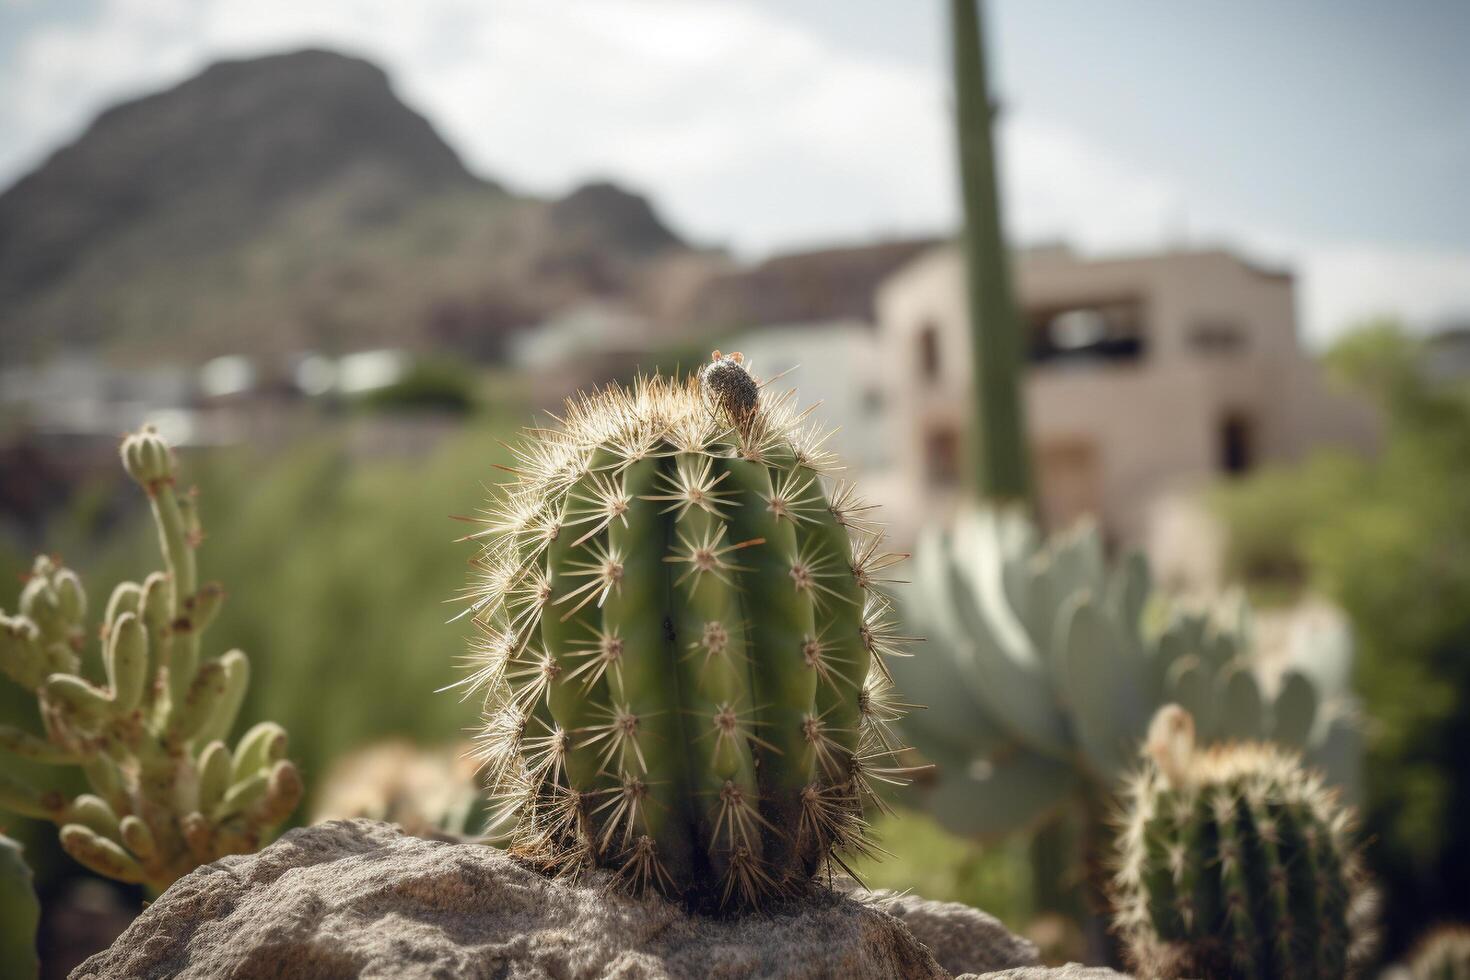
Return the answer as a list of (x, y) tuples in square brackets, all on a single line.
[(341, 566), (1388, 539)]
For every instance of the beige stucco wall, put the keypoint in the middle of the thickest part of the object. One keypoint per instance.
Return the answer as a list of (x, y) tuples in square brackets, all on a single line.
[(1153, 424)]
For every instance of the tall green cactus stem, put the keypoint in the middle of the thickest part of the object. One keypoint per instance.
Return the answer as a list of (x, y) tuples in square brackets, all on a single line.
[(1444, 954), (1236, 862), (680, 632), (20, 913), (1003, 466), (167, 793)]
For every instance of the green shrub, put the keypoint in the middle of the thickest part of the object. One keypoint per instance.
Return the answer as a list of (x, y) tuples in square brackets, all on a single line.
[(1388, 539)]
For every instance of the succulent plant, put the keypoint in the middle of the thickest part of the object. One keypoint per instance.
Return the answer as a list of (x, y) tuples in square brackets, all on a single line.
[(680, 637), (22, 913), (1444, 954), (1046, 667), (167, 793), (1235, 861)]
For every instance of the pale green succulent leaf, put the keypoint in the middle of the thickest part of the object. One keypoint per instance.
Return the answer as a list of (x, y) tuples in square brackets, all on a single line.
[(1007, 791)]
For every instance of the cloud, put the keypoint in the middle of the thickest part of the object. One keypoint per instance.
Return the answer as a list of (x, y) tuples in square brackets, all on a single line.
[(1342, 283), (748, 128)]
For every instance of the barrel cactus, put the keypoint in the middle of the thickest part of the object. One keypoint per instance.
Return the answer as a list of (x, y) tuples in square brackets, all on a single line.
[(1235, 861), (167, 793), (680, 639), (1444, 954), (1046, 666)]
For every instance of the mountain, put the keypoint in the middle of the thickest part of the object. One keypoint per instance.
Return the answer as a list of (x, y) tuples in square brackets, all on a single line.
[(290, 203)]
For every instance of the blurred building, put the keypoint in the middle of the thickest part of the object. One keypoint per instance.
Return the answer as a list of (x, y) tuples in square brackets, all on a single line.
[(1148, 375), (829, 364)]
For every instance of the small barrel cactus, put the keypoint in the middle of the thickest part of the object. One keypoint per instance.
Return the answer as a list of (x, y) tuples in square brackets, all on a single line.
[(680, 636), (167, 793), (1444, 954), (1234, 861)]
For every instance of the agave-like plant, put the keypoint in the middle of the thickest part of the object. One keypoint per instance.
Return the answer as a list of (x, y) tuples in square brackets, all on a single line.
[(1045, 666)]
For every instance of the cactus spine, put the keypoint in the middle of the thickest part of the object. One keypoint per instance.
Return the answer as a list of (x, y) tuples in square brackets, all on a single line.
[(167, 792), (680, 639), (1236, 862), (1444, 954)]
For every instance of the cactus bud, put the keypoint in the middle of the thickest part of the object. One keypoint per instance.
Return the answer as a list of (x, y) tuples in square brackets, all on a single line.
[(126, 598), (198, 836), (157, 594), (729, 386), (71, 599), (1170, 743), (214, 775), (78, 700), (258, 748), (100, 854), (40, 603), (237, 678), (242, 795), (137, 838), (22, 658), (283, 792), (147, 458), (126, 662), (94, 813)]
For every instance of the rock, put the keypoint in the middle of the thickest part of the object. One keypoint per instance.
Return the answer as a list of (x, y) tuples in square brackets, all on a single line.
[(1072, 971), (354, 898), (962, 939)]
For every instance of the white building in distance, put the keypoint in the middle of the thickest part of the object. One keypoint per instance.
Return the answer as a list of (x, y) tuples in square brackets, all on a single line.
[(1147, 376)]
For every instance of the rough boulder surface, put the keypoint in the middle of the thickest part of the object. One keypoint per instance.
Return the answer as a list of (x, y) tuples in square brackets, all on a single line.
[(359, 899), (962, 939)]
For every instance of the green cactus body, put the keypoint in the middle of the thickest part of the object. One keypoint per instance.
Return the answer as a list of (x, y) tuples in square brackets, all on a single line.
[(166, 794), (1235, 862), (676, 638)]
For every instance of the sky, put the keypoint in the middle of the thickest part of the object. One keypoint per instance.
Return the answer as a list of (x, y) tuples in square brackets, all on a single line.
[(1329, 137)]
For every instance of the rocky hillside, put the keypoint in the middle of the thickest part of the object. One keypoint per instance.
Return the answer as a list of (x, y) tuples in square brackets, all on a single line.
[(290, 203)]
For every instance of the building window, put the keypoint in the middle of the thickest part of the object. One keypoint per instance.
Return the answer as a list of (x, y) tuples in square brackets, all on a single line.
[(873, 402), (942, 456), (1217, 336), (1105, 330), (1236, 444), (929, 352)]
